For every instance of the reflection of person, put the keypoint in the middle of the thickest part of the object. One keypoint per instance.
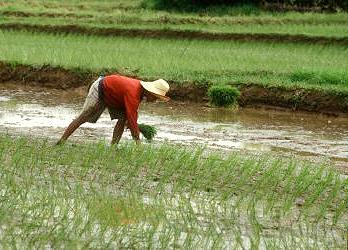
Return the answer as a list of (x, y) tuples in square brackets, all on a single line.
[(121, 96)]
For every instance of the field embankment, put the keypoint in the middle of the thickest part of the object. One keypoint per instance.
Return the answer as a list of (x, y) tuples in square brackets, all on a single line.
[(173, 33), (94, 195)]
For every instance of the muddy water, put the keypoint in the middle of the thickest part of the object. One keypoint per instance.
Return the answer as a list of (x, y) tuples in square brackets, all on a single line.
[(46, 113)]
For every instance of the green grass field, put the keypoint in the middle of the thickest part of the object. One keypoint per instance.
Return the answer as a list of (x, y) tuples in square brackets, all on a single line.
[(97, 196), (201, 62)]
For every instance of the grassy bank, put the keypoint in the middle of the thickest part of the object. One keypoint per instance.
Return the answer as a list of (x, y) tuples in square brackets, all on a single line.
[(201, 62), (93, 195)]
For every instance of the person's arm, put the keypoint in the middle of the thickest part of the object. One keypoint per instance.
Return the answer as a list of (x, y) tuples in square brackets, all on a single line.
[(118, 131), (132, 117), (135, 132)]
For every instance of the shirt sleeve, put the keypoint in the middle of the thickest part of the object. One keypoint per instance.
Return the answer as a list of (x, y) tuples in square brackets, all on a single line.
[(132, 105)]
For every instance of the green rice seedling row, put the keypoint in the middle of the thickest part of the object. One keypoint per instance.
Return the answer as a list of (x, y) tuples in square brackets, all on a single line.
[(307, 30), (133, 8), (310, 30), (160, 196), (130, 15), (201, 62)]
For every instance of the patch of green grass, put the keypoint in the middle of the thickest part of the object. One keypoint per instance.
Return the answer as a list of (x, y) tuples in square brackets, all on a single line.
[(183, 61), (160, 196)]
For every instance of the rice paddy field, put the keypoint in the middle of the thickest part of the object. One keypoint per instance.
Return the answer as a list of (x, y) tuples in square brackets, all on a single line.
[(201, 62), (167, 195)]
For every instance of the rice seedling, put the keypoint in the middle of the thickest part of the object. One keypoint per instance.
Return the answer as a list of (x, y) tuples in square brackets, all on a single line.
[(161, 196), (223, 95), (147, 131)]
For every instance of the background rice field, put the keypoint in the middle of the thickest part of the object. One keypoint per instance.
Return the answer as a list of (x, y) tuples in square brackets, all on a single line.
[(326, 30), (201, 62), (130, 14)]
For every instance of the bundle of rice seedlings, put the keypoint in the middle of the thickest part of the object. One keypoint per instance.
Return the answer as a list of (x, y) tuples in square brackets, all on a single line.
[(148, 131), (223, 95)]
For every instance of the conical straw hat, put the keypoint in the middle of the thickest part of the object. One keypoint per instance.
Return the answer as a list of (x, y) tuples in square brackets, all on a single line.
[(159, 88)]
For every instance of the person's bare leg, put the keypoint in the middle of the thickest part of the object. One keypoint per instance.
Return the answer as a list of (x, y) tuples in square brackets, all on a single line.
[(118, 131), (71, 128), (82, 118)]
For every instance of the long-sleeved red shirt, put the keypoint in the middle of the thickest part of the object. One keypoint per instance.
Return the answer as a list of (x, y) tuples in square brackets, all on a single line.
[(124, 93)]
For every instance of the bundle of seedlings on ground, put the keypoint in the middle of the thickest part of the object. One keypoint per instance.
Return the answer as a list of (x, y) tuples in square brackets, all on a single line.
[(148, 131), (223, 95)]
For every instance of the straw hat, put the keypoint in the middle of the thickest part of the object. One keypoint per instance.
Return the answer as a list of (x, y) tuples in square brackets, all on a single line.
[(159, 88)]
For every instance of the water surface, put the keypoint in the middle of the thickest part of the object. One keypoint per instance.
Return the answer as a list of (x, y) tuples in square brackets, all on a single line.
[(46, 113)]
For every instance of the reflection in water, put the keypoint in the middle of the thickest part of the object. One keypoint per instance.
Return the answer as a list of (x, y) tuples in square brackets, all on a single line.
[(46, 113)]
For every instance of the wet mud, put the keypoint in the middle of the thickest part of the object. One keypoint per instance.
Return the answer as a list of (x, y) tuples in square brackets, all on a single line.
[(46, 113), (251, 95)]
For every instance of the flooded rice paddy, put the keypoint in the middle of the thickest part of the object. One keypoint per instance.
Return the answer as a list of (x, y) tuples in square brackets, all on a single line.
[(46, 113)]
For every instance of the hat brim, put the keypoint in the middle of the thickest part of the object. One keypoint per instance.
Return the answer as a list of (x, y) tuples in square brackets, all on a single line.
[(148, 86), (161, 97)]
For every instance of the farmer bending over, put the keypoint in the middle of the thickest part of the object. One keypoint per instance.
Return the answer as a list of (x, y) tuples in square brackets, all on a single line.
[(121, 96)]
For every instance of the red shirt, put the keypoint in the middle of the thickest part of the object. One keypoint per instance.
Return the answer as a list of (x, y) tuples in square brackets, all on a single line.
[(124, 93)]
